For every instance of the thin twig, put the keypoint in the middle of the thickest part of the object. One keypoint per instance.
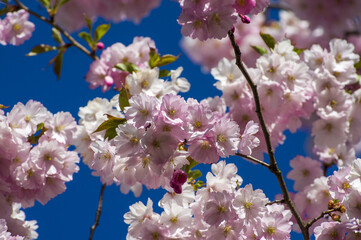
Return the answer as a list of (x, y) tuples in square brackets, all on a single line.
[(99, 212), (74, 42), (276, 201), (273, 164), (255, 160), (309, 224)]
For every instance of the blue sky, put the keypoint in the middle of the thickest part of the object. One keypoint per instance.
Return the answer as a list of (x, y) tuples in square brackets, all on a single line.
[(70, 215)]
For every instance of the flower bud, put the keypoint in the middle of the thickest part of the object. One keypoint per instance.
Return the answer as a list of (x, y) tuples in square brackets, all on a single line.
[(100, 45)]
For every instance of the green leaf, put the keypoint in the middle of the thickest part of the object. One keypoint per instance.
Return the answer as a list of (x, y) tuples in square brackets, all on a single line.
[(127, 67), (57, 35), (358, 64), (153, 58), (299, 50), (58, 63), (42, 48), (88, 22), (100, 31), (86, 36), (110, 126), (261, 50), (268, 39), (33, 139), (188, 167), (166, 59), (124, 96), (3, 107), (46, 3), (164, 73), (112, 122), (197, 185), (62, 2), (195, 174)]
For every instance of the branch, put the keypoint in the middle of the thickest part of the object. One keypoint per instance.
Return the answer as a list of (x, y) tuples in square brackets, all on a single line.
[(252, 159), (309, 224), (99, 212), (276, 201), (65, 33), (273, 164)]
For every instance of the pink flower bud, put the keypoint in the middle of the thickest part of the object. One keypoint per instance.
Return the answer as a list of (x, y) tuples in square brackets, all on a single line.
[(245, 19), (178, 179), (100, 45)]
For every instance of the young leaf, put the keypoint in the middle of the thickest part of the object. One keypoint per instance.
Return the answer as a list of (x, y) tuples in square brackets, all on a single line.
[(46, 3), (127, 67), (124, 96), (261, 50), (153, 58), (57, 35), (357, 65), (3, 107), (110, 125), (197, 185), (112, 122), (62, 2), (298, 50), (268, 39), (86, 36), (188, 167), (195, 174), (164, 73), (58, 63), (42, 48), (166, 59), (88, 22), (100, 31)]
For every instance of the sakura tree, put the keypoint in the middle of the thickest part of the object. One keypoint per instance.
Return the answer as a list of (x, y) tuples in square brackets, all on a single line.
[(138, 120)]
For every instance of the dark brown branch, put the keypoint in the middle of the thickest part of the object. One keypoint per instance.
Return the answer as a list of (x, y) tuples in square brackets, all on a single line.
[(252, 159), (65, 33), (309, 224), (282, 201), (99, 212), (273, 164)]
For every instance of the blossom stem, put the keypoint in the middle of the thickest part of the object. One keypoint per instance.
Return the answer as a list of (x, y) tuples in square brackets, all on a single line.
[(273, 164), (99, 212), (74, 42), (255, 160)]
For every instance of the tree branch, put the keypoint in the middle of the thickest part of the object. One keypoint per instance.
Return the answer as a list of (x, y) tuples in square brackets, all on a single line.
[(273, 164), (282, 201), (65, 33), (309, 224), (99, 212), (252, 159)]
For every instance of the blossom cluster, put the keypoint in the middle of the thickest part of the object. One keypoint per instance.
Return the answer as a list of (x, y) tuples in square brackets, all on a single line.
[(15, 28), (220, 210), (158, 137), (71, 14), (284, 87), (213, 19), (34, 157), (103, 73), (317, 193), (341, 15)]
